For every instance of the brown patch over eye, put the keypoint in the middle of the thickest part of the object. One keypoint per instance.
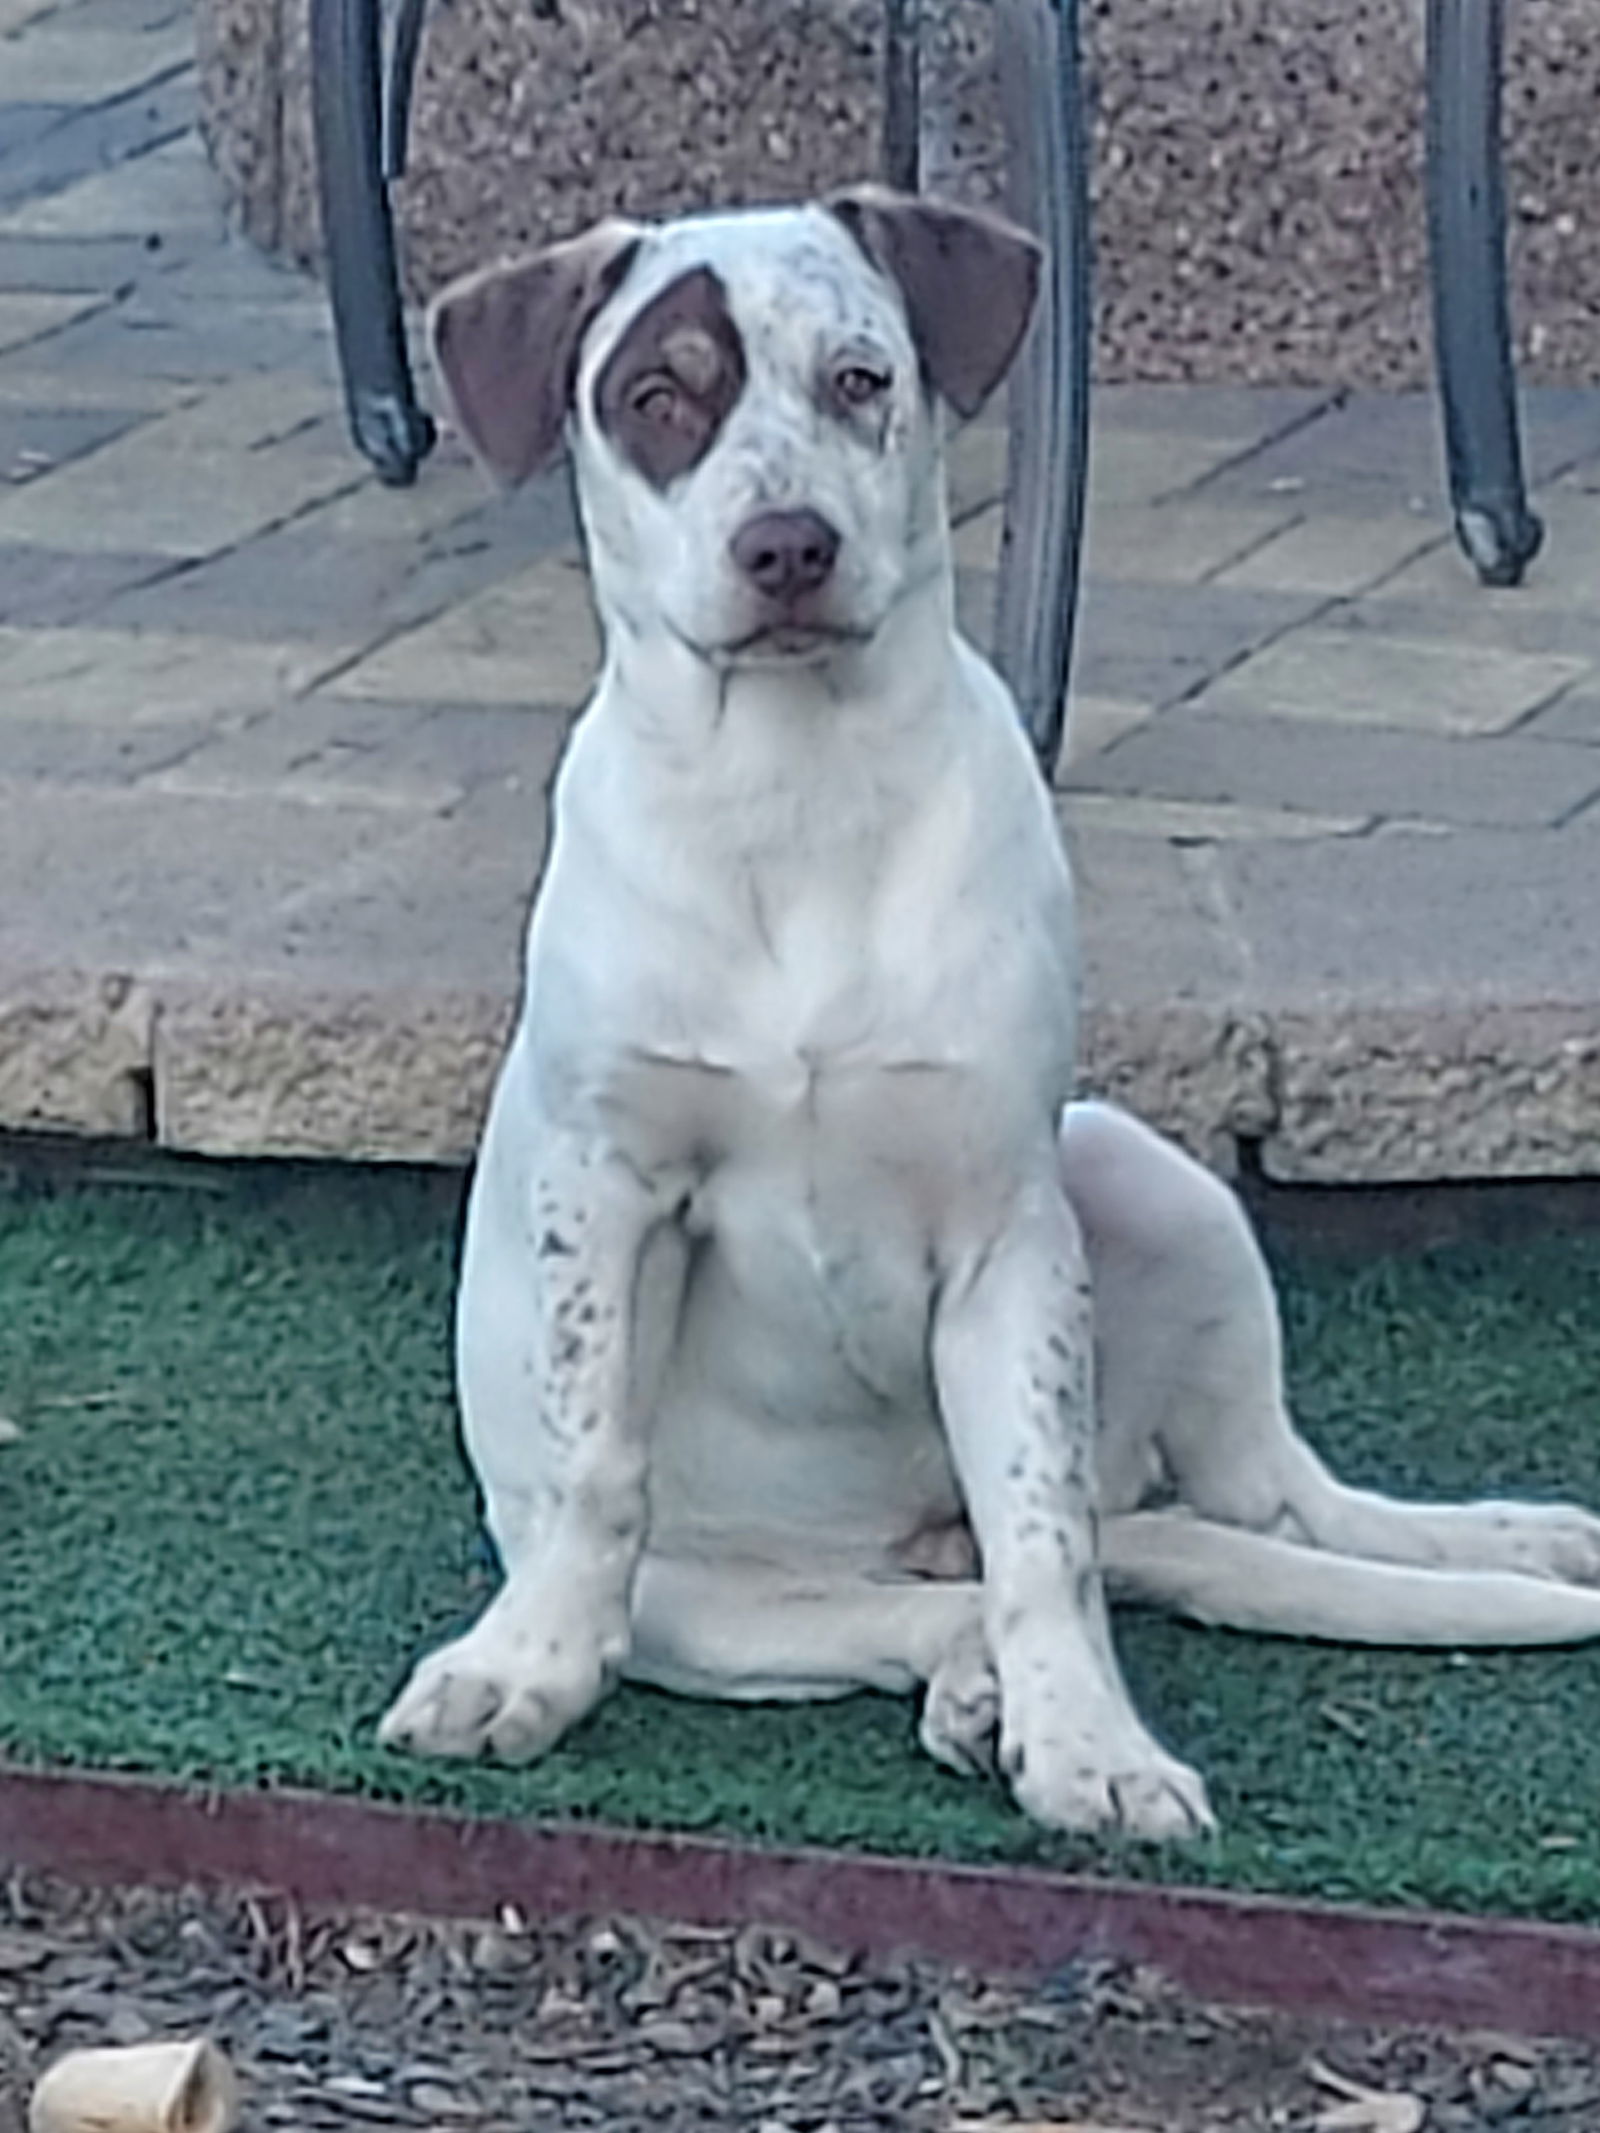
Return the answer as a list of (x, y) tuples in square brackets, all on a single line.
[(671, 382), (693, 357)]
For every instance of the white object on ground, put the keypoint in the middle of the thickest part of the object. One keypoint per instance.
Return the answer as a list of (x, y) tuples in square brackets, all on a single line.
[(184, 2086)]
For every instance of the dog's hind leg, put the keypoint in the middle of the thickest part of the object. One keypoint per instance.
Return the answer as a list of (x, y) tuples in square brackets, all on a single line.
[(1236, 1579), (751, 1632), (1191, 1380)]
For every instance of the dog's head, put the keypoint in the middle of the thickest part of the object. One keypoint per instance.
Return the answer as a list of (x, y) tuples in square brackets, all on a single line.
[(754, 404)]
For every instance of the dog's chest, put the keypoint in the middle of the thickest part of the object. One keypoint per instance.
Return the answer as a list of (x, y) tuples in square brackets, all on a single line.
[(837, 949), (863, 997), (821, 982), (851, 1120)]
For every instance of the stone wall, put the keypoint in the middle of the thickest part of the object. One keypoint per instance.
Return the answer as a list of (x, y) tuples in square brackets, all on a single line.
[(1257, 162)]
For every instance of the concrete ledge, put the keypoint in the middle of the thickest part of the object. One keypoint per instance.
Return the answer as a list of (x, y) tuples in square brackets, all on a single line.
[(1371, 1009), (1203, 1075), (271, 1069), (1449, 1091), (1390, 1007), (264, 1063), (75, 1053)]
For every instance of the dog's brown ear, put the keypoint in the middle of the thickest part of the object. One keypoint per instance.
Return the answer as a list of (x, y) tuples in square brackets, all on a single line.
[(506, 342), (969, 280)]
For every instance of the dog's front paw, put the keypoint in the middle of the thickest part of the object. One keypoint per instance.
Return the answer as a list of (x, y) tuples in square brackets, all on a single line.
[(1128, 1788), (494, 1692)]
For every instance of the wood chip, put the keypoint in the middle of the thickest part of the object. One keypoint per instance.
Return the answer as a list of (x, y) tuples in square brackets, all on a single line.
[(1365, 2110)]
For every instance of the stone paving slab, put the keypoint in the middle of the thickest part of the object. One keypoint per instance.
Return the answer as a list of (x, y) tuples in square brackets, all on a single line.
[(346, 570), (35, 441), (28, 315), (64, 66), (157, 487), (87, 175), (274, 740), (24, 386), (115, 678), (1516, 781), (96, 265), (1356, 678), (16, 14), (1368, 451), (428, 759), (50, 587), (128, 881), (1572, 717), (531, 639), (83, 752), (1336, 557)]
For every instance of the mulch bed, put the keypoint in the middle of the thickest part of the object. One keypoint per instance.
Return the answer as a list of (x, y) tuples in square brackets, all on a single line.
[(345, 2021), (1258, 212)]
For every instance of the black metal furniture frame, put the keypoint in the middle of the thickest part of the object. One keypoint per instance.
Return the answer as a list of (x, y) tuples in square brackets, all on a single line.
[(361, 136)]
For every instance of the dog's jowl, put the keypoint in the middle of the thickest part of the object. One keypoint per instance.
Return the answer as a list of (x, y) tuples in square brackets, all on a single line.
[(810, 1337)]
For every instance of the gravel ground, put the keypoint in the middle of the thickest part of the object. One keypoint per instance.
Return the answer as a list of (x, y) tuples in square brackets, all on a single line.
[(347, 2022), (1258, 198)]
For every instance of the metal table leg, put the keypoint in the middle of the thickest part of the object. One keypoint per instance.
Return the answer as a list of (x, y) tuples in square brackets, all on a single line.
[(346, 82), (1472, 328), (1048, 456)]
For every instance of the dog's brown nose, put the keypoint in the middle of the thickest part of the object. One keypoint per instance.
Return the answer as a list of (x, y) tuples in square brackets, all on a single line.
[(786, 553)]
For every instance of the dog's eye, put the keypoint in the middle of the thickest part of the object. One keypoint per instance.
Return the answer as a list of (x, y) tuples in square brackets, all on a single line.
[(859, 384), (656, 399)]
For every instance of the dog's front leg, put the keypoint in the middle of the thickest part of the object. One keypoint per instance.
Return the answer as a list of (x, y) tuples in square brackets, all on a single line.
[(1013, 1364), (555, 1370)]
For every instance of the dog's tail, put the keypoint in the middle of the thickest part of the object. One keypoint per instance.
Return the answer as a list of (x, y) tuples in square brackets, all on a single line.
[(1236, 1579)]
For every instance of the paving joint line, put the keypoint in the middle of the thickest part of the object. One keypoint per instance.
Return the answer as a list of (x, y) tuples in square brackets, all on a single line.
[(427, 615), (1545, 703), (40, 195), (1290, 427), (174, 567), (1250, 651), (1210, 575), (1589, 804), (49, 333), (72, 112)]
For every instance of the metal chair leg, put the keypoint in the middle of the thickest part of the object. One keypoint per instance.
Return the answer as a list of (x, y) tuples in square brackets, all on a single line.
[(347, 109), (902, 94), (1472, 327), (1048, 454)]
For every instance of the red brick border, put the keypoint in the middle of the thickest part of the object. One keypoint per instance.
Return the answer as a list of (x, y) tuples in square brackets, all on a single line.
[(1370, 1965)]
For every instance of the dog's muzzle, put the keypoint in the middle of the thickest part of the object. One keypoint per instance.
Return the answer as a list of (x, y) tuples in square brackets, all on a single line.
[(787, 558)]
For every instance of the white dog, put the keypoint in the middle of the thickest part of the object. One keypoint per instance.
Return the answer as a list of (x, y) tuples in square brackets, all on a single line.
[(795, 1288)]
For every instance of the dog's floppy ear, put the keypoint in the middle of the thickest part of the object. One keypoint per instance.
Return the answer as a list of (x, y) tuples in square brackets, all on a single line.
[(506, 342), (969, 281)]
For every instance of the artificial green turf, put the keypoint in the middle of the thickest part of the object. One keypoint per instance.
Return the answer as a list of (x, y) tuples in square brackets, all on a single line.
[(237, 1511)]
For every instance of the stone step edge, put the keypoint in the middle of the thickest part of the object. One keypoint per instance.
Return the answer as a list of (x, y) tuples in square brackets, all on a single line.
[(274, 1064)]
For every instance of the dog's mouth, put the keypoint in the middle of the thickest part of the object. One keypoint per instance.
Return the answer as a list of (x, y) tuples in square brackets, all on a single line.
[(782, 643), (789, 642)]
